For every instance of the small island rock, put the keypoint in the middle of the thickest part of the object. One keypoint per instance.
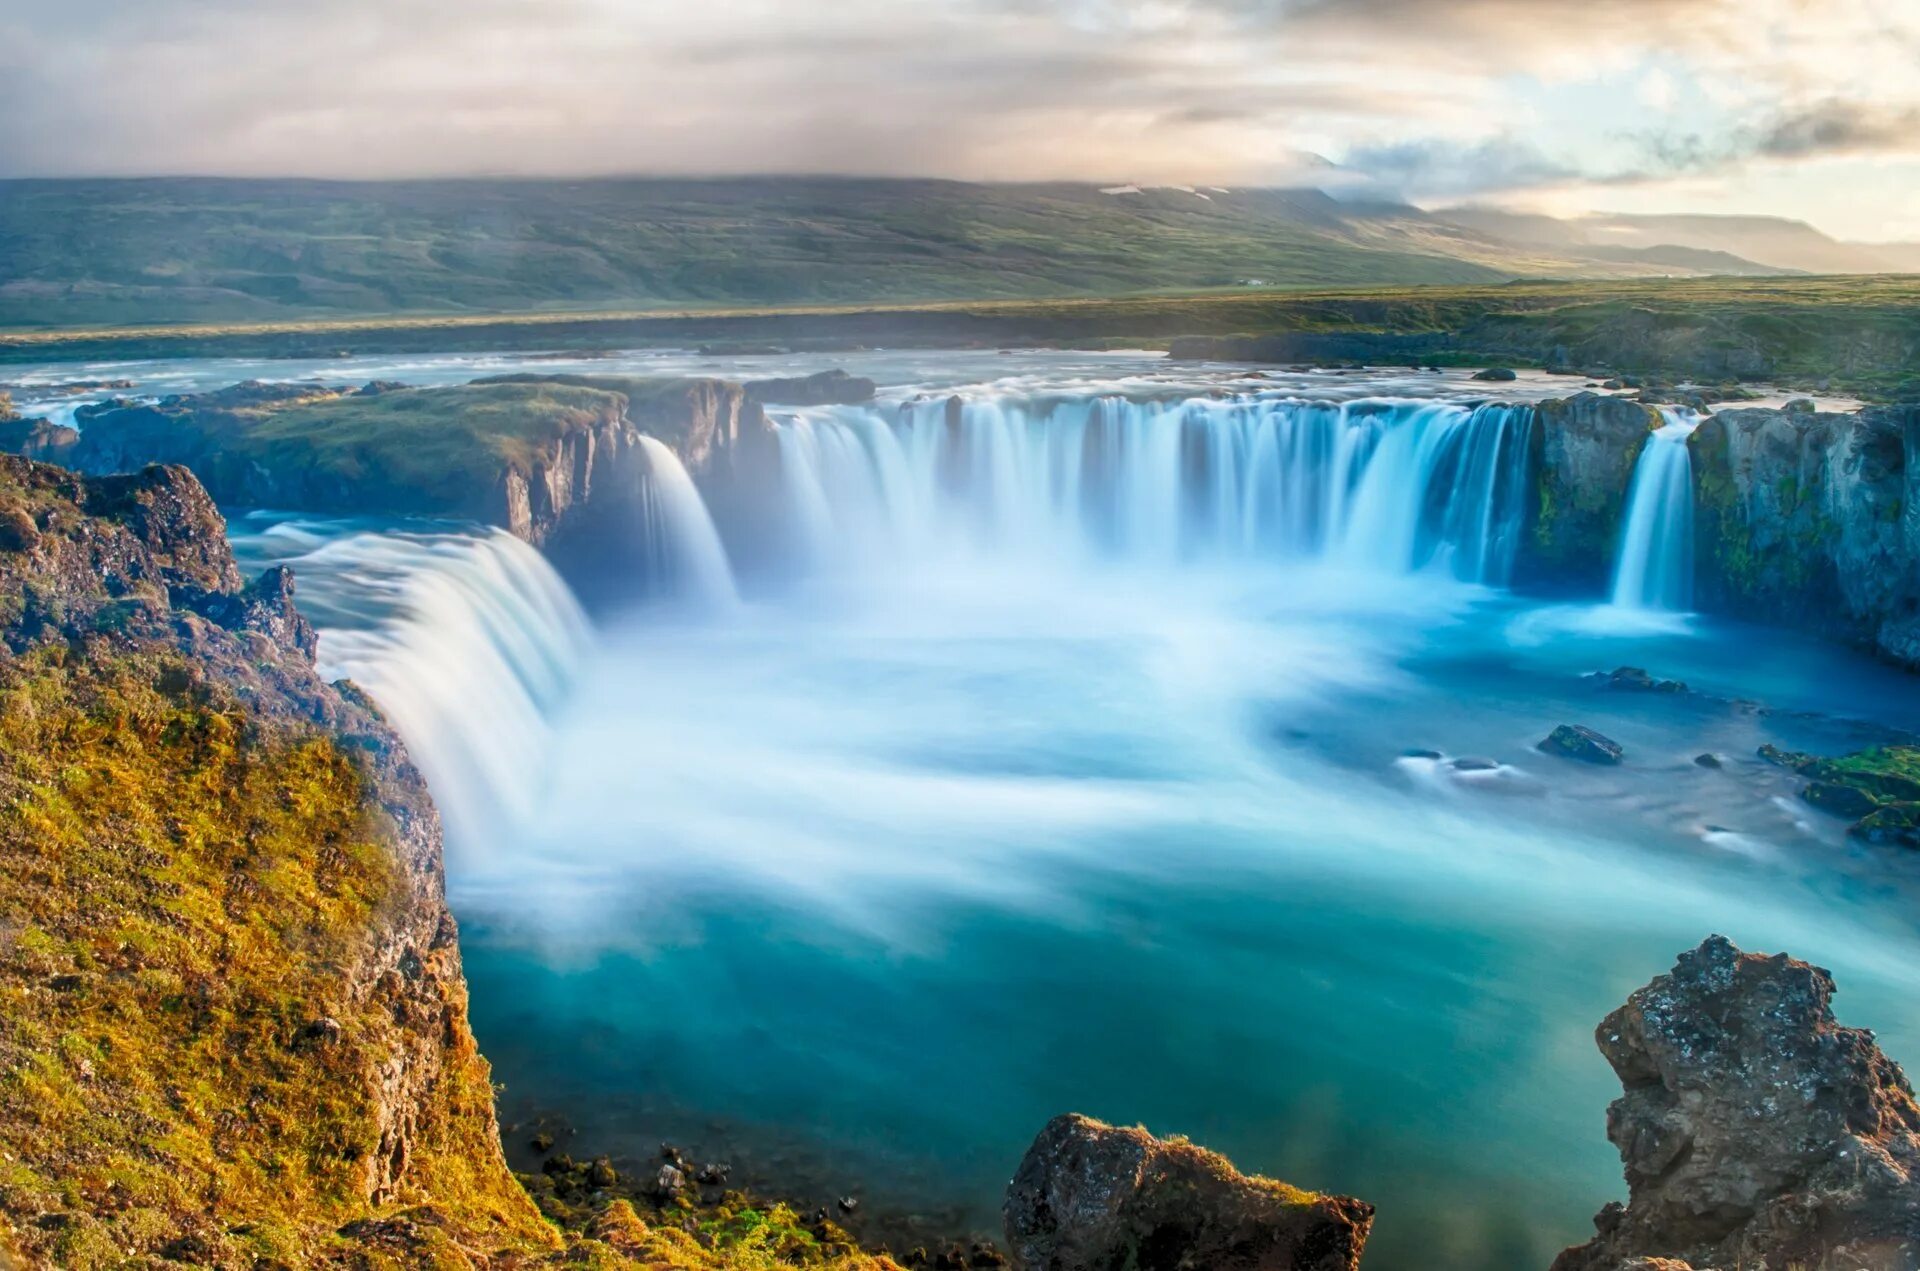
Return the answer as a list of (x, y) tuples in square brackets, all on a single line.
[(1576, 741)]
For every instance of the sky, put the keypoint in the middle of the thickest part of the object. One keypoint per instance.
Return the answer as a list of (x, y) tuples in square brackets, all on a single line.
[(1800, 108)]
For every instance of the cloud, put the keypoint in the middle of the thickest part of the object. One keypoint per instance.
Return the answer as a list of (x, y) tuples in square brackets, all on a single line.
[(1840, 127), (1435, 98), (1445, 169)]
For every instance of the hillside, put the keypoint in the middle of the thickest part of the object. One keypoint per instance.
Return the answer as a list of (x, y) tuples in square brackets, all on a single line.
[(111, 252)]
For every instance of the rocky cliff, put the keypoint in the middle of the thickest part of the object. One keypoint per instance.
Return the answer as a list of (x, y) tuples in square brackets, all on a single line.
[(542, 457), (235, 1028), (1756, 1132), (1585, 450), (1811, 519)]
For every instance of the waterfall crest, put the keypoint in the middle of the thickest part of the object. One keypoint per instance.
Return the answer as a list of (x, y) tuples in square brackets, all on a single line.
[(685, 560), (469, 643), (1398, 485), (1654, 569)]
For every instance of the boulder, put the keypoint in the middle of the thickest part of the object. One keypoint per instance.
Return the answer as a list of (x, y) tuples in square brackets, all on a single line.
[(1754, 1130), (1498, 374), (1094, 1197), (1577, 741)]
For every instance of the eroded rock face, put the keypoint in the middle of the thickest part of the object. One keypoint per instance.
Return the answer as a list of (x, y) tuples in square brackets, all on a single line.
[(1094, 1197), (105, 568), (1588, 445), (1810, 518), (823, 388), (1755, 1131)]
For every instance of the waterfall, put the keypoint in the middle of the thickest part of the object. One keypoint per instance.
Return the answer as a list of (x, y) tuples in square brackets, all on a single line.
[(1395, 484), (684, 557), (1654, 569), (468, 642)]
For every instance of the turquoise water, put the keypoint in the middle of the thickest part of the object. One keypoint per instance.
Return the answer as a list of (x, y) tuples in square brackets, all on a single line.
[(862, 896), (967, 821)]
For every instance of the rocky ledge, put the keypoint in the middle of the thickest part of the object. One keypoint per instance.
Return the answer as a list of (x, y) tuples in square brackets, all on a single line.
[(546, 458), (1756, 1132)]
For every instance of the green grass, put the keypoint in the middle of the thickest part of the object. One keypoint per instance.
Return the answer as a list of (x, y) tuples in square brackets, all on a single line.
[(1860, 334)]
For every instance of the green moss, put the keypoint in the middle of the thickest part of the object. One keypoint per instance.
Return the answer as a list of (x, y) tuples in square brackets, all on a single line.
[(185, 886)]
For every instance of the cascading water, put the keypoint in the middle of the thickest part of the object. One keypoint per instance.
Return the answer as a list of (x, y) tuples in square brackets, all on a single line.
[(1393, 484), (468, 641), (685, 559), (1654, 569)]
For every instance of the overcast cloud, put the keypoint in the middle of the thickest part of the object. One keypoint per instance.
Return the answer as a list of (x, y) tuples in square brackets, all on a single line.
[(1709, 105)]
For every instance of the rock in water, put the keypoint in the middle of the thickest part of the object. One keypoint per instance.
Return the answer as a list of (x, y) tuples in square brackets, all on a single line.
[(1498, 374), (1756, 1132), (1576, 741), (1091, 1197)]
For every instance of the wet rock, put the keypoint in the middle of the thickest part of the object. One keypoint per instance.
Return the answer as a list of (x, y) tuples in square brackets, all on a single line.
[(669, 1182), (714, 1174), (541, 1142), (1840, 800), (1089, 1196), (848, 1204), (1793, 759), (601, 1173), (1754, 1130), (1577, 741), (1708, 760), (1473, 764), (1419, 753), (1800, 406), (1890, 825), (1634, 679), (1500, 374)]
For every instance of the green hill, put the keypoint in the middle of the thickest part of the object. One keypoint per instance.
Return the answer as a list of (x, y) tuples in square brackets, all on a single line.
[(108, 252)]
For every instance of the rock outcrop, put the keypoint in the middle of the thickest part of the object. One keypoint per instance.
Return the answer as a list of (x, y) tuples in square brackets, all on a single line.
[(1094, 1197), (233, 875), (1756, 1132), (541, 457), (1586, 448), (1814, 519), (825, 388)]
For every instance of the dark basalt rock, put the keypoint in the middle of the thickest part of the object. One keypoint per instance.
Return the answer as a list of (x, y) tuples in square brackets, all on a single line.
[(1755, 1131), (826, 388), (1577, 741), (1498, 374), (1092, 1197)]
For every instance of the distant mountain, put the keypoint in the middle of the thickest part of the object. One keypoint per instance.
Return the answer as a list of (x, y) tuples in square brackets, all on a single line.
[(111, 252), (1763, 244)]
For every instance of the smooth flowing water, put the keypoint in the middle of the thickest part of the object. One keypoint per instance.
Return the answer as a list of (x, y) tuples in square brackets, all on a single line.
[(1100, 749), (1655, 565)]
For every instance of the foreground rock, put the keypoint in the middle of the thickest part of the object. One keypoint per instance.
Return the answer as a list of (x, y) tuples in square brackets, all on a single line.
[(1756, 1132), (1093, 1197)]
